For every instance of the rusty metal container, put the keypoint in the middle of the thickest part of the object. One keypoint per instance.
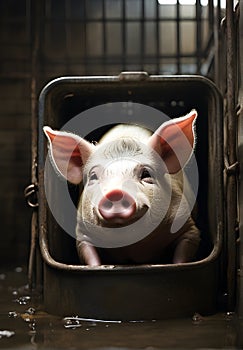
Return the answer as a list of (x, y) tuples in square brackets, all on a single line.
[(141, 292)]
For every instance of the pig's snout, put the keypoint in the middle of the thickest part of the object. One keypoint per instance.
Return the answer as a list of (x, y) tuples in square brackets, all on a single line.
[(117, 206)]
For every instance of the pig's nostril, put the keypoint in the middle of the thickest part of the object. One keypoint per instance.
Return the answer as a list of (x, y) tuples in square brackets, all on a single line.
[(117, 204), (126, 204), (107, 204)]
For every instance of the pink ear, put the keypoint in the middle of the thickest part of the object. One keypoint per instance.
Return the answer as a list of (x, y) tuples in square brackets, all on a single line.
[(175, 141), (68, 153)]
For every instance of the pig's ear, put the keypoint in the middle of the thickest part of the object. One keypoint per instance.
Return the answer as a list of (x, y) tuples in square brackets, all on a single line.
[(174, 141), (68, 153)]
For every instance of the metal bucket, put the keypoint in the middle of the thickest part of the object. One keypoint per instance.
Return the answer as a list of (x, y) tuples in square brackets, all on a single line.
[(141, 292)]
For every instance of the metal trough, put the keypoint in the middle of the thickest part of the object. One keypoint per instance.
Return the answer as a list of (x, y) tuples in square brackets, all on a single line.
[(141, 292)]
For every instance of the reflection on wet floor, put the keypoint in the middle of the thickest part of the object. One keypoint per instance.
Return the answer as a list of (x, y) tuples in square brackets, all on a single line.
[(25, 325)]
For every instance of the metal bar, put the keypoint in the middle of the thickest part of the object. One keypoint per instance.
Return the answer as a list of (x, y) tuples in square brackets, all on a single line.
[(216, 36), (68, 34), (157, 35), (237, 48), (85, 36), (211, 13), (116, 60), (36, 24), (124, 36), (99, 20), (178, 38), (240, 291), (104, 44), (198, 35), (142, 35), (211, 20), (231, 156)]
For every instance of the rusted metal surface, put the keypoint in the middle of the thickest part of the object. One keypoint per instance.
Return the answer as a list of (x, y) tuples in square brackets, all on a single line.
[(33, 188), (240, 155), (231, 161)]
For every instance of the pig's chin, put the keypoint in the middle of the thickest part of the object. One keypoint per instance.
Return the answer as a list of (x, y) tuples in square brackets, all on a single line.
[(121, 222)]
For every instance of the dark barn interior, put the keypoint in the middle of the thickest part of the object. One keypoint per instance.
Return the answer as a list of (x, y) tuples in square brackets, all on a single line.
[(179, 41), (44, 40)]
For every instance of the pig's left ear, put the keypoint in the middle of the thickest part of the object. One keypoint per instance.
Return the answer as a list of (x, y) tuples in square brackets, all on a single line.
[(174, 141), (68, 153)]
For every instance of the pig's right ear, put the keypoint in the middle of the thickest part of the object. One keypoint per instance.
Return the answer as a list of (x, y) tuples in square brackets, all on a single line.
[(174, 141), (68, 153)]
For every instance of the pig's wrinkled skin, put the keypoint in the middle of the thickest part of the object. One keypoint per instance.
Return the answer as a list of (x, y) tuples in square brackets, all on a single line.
[(119, 178)]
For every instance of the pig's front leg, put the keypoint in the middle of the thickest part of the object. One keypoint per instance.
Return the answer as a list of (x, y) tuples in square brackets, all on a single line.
[(187, 246), (87, 253)]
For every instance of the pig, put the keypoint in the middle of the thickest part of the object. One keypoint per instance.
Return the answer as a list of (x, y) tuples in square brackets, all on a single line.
[(132, 183)]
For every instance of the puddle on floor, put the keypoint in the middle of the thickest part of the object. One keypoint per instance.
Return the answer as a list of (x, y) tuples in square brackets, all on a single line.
[(25, 325)]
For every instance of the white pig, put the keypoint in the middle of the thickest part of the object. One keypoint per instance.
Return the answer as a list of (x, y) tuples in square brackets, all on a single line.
[(132, 186)]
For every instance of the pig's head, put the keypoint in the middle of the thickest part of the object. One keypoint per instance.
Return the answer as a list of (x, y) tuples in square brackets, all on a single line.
[(125, 179)]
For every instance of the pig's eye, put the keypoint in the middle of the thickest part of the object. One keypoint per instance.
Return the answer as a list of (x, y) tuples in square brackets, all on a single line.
[(146, 176), (93, 177)]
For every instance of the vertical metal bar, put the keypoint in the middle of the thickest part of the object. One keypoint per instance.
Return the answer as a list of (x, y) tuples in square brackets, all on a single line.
[(68, 34), (211, 13), (35, 44), (216, 38), (85, 36), (124, 36), (142, 35), (157, 36), (198, 35), (28, 20), (237, 18), (219, 73), (104, 33), (178, 38), (211, 20), (240, 294), (231, 156)]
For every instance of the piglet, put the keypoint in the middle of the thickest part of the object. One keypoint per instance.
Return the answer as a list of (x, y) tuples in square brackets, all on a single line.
[(133, 208)]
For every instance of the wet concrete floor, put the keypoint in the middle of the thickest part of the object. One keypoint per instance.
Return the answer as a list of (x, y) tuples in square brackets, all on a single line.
[(25, 325)]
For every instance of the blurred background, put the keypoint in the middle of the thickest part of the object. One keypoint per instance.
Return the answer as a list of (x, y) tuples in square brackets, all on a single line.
[(44, 39)]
